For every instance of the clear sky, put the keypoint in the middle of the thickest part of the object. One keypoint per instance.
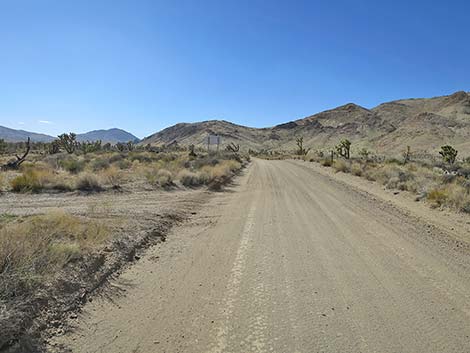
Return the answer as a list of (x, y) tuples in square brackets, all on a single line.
[(78, 65)]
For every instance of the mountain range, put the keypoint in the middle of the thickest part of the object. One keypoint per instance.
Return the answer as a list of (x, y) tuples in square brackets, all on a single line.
[(111, 135), (424, 124)]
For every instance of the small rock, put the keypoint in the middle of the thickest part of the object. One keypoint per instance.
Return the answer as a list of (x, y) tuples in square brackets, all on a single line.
[(73, 316), (137, 257)]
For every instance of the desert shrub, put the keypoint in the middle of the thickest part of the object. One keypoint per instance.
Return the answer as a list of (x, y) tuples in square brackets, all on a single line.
[(142, 157), (99, 164), (73, 165), (341, 165), (33, 248), (437, 197), (465, 207), (164, 178), (88, 182), (205, 161), (159, 177), (326, 162), (28, 181), (116, 157), (37, 180), (457, 196), (356, 169), (124, 164), (218, 175), (2, 181), (188, 178), (112, 176), (394, 161)]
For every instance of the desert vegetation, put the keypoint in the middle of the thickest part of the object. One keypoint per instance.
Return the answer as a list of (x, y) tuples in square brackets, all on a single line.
[(37, 249), (66, 165), (441, 179)]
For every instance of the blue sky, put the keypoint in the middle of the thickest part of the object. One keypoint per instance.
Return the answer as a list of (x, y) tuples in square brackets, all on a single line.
[(145, 65)]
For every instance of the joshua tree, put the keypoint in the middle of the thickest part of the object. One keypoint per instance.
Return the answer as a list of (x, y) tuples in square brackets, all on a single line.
[(407, 155), (364, 153), (344, 148), (54, 147), (301, 151), (89, 147), (3, 146), (68, 142), (15, 164), (448, 153), (120, 146), (191, 151), (130, 146), (233, 148)]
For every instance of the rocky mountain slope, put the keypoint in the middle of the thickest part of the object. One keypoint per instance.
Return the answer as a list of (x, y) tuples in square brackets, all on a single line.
[(12, 135), (424, 124), (110, 135)]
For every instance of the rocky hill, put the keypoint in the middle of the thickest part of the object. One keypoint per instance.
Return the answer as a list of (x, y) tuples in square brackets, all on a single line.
[(110, 135), (424, 124)]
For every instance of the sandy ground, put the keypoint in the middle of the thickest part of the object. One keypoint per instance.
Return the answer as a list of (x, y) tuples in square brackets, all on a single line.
[(294, 259)]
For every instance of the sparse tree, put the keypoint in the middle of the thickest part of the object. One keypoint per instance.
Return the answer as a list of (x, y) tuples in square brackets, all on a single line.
[(120, 146), (407, 155), (3, 146), (15, 164), (364, 153), (301, 151), (344, 148), (191, 151), (232, 147), (448, 153), (90, 147), (54, 147), (68, 142), (130, 146)]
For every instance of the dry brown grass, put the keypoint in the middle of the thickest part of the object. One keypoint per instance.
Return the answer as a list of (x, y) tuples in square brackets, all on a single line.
[(33, 248), (341, 165)]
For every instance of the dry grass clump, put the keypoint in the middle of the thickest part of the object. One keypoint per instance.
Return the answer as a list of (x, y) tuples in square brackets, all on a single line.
[(113, 176), (88, 183), (218, 175), (190, 179), (356, 169), (159, 177), (454, 195), (341, 165), (33, 248)]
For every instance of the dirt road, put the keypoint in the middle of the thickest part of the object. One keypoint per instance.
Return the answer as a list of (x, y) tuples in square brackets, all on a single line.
[(289, 260)]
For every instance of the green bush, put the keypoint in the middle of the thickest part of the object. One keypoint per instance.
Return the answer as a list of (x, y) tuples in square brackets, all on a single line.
[(100, 164), (72, 165)]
